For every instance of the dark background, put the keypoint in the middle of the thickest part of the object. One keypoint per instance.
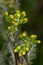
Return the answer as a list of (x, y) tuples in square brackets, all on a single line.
[(34, 10)]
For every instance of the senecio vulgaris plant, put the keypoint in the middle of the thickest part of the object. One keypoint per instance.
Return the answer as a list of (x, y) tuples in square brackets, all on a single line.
[(20, 45)]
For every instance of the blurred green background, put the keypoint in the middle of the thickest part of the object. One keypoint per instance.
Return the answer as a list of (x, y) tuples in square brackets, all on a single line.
[(34, 10)]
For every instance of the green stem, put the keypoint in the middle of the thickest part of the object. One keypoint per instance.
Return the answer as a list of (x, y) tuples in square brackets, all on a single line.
[(11, 51), (26, 59)]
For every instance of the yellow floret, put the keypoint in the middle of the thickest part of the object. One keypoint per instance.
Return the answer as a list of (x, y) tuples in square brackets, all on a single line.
[(24, 34), (16, 23), (33, 36), (18, 47), (27, 49), (18, 14), (38, 41), (13, 22), (11, 16), (15, 50), (24, 13), (15, 14), (6, 13), (17, 11), (26, 19), (23, 52), (9, 27), (20, 54)]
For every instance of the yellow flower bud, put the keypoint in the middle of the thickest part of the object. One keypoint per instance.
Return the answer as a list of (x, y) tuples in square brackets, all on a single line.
[(24, 34), (18, 14), (11, 16), (26, 19), (18, 47), (24, 13), (27, 49), (9, 27), (17, 11), (16, 23), (20, 54), (23, 52), (38, 41), (15, 50), (33, 36), (6, 13), (15, 14), (13, 22)]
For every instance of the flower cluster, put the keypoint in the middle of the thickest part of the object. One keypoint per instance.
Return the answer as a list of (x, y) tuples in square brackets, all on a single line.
[(15, 20), (22, 49), (27, 43), (33, 39)]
